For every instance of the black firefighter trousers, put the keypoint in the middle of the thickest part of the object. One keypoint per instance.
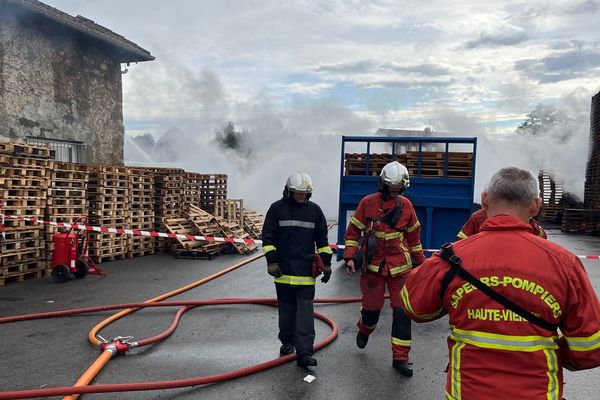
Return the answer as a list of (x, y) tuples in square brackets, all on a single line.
[(296, 316)]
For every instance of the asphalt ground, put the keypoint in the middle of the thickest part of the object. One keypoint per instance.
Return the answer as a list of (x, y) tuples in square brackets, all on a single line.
[(209, 340)]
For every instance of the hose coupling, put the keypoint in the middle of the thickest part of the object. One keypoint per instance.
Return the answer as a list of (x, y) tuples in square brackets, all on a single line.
[(118, 345)]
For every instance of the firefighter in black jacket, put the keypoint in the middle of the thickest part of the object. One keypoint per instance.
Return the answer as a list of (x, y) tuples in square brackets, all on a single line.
[(294, 227)]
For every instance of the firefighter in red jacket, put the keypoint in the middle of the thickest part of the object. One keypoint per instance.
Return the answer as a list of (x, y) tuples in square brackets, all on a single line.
[(495, 353), (391, 246), (473, 226)]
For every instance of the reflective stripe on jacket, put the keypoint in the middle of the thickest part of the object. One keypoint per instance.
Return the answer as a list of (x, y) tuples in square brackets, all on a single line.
[(292, 232)]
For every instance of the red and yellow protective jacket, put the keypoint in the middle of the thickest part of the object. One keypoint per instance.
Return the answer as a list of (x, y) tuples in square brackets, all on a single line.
[(395, 245), (473, 226), (494, 353)]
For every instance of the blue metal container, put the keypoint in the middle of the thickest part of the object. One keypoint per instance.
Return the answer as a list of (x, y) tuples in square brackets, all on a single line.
[(443, 202)]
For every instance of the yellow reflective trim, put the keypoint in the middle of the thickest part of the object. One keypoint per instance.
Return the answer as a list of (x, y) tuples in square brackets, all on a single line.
[(552, 373), (455, 378), (388, 236), (504, 342), (416, 248), (268, 248), (397, 270), (295, 280), (401, 342), (357, 223), (372, 267), (325, 249), (541, 232), (449, 396), (406, 301), (584, 343), (351, 243), (414, 227), (462, 235)]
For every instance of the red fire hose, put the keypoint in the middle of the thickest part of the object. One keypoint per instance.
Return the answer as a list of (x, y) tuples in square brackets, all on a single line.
[(82, 388)]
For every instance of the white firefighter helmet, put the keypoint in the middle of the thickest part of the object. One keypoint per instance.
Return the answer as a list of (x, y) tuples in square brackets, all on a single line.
[(299, 182), (395, 175)]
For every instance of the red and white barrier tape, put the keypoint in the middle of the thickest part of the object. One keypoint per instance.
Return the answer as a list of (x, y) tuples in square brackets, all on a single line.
[(137, 232)]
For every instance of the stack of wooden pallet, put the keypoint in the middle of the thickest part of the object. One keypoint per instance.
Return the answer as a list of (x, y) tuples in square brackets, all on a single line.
[(592, 173), (356, 163), (23, 186), (551, 193), (192, 188), (432, 164), (168, 189), (141, 201), (581, 221), (253, 223), (67, 197), (213, 187), (109, 189)]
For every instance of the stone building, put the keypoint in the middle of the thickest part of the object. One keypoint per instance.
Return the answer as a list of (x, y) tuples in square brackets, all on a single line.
[(60, 82)]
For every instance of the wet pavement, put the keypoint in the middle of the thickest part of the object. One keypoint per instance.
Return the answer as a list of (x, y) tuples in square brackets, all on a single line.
[(210, 340)]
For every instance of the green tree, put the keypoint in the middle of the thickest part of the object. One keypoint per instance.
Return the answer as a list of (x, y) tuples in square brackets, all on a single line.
[(229, 137)]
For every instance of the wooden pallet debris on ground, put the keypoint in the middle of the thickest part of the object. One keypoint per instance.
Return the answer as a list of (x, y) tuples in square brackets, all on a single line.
[(253, 223), (230, 210), (233, 230), (205, 224)]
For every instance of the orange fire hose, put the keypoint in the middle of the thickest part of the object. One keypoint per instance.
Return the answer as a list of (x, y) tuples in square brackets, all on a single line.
[(109, 349), (96, 367)]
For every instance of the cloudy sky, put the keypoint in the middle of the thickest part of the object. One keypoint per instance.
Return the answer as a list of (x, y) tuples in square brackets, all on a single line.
[(318, 69)]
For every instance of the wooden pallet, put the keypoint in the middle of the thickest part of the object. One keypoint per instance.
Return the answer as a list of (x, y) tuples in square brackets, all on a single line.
[(24, 173), (31, 254), (26, 266), (66, 202), (233, 230), (22, 276), (196, 254), (23, 162), (23, 183), (22, 149), (12, 235)]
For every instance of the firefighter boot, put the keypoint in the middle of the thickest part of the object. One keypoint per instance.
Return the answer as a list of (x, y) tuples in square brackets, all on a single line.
[(306, 361), (361, 340), (286, 349), (403, 367), (366, 325)]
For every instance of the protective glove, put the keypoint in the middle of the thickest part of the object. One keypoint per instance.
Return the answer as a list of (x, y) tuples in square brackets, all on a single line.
[(274, 270), (350, 269), (326, 273)]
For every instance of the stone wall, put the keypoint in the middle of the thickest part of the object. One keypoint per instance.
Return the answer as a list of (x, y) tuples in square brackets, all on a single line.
[(57, 84)]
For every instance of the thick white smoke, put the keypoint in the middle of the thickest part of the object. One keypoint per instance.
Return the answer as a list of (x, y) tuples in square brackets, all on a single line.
[(281, 138)]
